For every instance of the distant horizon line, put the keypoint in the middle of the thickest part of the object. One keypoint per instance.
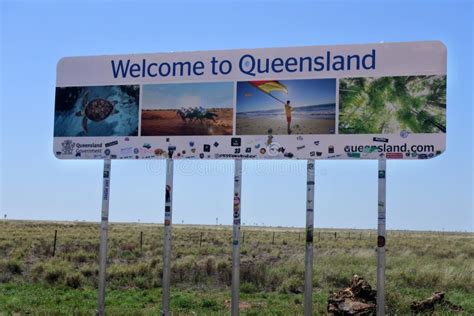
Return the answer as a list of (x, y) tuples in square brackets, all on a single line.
[(230, 226)]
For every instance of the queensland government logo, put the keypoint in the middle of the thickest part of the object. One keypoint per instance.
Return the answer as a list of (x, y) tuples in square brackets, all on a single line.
[(68, 147)]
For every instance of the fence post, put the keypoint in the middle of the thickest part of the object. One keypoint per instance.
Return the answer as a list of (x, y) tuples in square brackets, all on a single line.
[(54, 244), (200, 240), (141, 241), (273, 238)]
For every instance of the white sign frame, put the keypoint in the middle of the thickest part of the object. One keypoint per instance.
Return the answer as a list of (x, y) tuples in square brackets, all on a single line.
[(368, 61)]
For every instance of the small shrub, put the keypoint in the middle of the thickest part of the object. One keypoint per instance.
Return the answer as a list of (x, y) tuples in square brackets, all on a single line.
[(53, 271), (41, 248), (129, 246), (89, 271), (210, 266), (126, 254), (155, 262), (248, 288), (37, 272), (204, 251), (11, 266), (80, 257), (274, 279), (129, 275), (336, 279), (292, 286), (224, 272), (74, 280), (184, 301), (184, 268), (14, 267), (54, 275), (125, 271), (209, 304), (143, 283), (252, 272)]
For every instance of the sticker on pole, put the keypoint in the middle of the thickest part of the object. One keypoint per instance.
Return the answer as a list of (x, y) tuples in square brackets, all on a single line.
[(320, 102)]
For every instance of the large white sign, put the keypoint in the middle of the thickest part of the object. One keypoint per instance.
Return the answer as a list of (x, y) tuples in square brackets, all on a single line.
[(320, 102)]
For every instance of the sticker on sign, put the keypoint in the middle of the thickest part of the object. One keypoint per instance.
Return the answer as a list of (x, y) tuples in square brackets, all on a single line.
[(366, 101)]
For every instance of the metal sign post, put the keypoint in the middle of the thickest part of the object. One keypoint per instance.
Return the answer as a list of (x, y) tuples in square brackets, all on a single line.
[(308, 276), (236, 238), (103, 236), (167, 241), (381, 238)]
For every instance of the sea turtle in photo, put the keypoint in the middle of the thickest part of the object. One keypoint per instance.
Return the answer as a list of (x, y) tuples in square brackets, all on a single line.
[(95, 110)]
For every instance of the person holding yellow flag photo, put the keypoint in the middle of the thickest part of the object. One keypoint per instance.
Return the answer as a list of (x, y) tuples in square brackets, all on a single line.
[(261, 108), (288, 110)]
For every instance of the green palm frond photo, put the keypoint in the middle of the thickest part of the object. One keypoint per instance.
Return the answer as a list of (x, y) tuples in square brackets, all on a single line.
[(388, 105)]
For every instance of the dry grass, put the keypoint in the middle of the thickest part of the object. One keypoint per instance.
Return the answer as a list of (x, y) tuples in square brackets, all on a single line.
[(418, 263)]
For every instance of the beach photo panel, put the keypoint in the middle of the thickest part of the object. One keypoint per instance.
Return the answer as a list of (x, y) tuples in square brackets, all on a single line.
[(284, 107)]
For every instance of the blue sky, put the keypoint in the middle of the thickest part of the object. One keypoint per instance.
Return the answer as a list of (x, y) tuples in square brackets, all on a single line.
[(432, 194), (176, 96), (300, 93)]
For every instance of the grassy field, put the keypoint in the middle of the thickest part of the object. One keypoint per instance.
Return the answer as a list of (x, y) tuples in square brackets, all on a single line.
[(272, 268)]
